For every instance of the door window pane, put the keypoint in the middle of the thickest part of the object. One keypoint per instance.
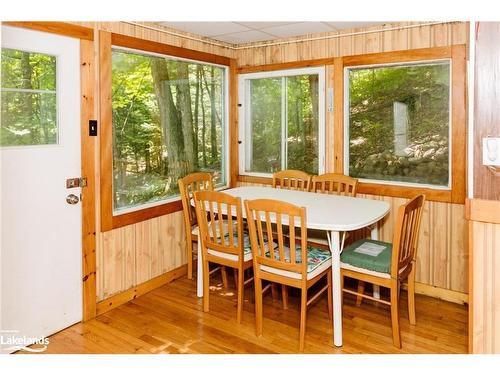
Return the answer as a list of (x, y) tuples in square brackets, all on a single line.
[(29, 99), (168, 120), (399, 123)]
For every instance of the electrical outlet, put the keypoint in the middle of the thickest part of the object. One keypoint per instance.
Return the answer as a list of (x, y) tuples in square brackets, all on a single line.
[(491, 151)]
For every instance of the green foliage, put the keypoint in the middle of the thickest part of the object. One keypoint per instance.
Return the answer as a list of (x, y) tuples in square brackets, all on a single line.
[(147, 154), (424, 90), (28, 117), (302, 123)]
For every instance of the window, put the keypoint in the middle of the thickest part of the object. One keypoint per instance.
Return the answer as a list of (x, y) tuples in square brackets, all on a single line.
[(169, 119), (29, 99), (283, 121), (399, 123)]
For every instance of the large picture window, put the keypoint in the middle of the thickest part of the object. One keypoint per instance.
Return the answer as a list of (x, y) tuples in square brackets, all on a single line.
[(169, 119), (283, 121), (399, 123)]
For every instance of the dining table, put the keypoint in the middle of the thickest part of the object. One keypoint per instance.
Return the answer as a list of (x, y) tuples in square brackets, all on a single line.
[(334, 214)]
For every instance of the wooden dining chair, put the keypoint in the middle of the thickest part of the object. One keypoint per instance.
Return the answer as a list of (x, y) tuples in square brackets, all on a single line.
[(292, 179), (388, 264), (331, 183), (188, 185), (284, 264), (334, 183), (222, 240)]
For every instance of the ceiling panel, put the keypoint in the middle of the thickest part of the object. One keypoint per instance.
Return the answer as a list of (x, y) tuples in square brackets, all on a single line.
[(244, 37), (249, 32), (263, 25), (295, 29)]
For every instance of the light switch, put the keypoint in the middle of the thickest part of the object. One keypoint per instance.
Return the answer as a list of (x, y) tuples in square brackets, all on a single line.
[(491, 151)]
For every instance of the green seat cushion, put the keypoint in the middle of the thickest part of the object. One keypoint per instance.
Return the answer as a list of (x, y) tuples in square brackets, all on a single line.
[(380, 263), (315, 256)]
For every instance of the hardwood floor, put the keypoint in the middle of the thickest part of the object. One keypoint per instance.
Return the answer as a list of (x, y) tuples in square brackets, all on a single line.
[(170, 319)]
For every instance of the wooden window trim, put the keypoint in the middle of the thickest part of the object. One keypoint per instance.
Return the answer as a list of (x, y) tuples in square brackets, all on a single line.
[(106, 41), (60, 28), (457, 54)]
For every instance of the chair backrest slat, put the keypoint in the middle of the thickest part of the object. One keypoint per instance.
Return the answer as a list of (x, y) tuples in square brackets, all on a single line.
[(188, 185), (405, 241), (261, 213), (292, 180), (218, 230), (334, 183)]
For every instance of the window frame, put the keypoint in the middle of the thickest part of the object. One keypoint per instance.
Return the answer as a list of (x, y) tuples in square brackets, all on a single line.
[(458, 126), (108, 42), (347, 69), (243, 94)]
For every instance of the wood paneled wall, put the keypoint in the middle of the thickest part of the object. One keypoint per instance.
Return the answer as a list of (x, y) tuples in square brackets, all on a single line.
[(486, 99), (484, 310), (442, 256), (443, 247), (486, 288), (133, 254), (484, 209), (420, 37)]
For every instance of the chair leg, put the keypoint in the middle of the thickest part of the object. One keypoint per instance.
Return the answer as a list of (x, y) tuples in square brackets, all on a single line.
[(274, 291), (258, 306), (361, 290), (240, 282), (224, 277), (189, 256), (303, 314), (396, 335), (206, 285), (411, 297), (235, 275), (284, 293), (329, 292)]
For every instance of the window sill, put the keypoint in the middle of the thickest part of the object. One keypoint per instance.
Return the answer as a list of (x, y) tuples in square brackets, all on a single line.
[(435, 195), (134, 217)]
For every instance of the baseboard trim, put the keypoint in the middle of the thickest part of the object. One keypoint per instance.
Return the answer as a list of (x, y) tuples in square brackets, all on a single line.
[(441, 293), (132, 293)]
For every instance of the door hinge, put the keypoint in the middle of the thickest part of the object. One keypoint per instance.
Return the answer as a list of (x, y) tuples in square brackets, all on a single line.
[(76, 182)]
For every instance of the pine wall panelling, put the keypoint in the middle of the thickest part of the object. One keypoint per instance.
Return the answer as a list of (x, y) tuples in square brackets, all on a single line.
[(136, 253), (443, 247)]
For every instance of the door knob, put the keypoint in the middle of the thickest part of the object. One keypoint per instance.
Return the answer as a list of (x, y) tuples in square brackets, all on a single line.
[(72, 199)]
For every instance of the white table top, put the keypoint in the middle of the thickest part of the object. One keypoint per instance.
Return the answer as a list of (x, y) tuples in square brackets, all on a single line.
[(324, 211)]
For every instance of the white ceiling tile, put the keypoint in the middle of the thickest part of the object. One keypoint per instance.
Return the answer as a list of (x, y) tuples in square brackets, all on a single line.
[(244, 37), (263, 25), (301, 28), (207, 28)]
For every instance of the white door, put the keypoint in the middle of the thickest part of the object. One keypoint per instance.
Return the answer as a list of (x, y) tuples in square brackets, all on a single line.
[(41, 267)]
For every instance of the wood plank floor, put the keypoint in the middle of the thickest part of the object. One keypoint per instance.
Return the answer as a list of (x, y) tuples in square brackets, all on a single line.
[(170, 319)]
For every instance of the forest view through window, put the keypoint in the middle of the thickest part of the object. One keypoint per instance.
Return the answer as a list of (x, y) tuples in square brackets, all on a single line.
[(168, 120), (29, 99), (399, 123), (282, 122)]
